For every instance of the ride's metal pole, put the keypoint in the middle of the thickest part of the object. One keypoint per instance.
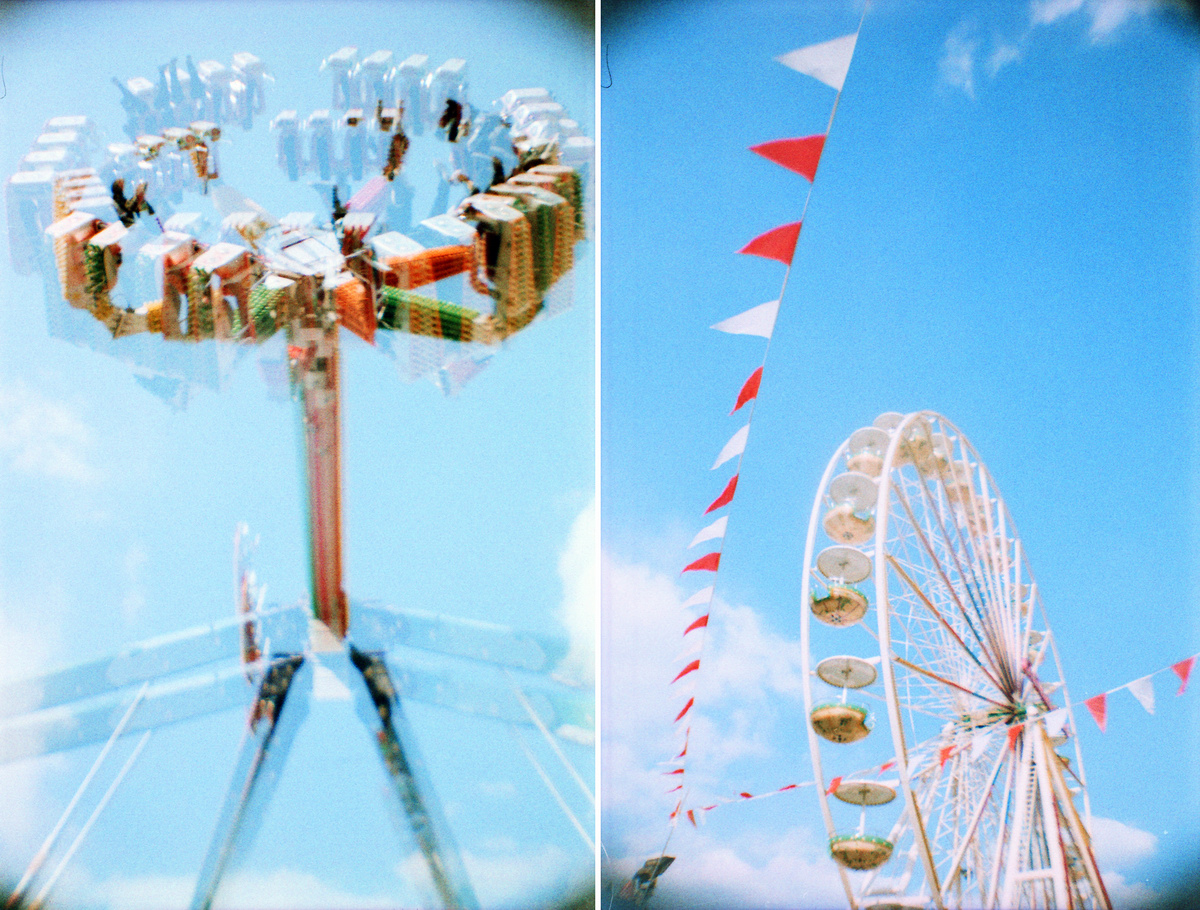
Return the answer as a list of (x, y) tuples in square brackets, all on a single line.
[(316, 380)]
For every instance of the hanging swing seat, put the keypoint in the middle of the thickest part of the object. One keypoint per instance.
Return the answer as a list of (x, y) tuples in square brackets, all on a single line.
[(860, 851), (840, 723), (841, 605)]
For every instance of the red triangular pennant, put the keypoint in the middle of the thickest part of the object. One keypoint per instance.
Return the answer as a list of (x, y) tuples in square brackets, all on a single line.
[(749, 390), (700, 623), (789, 787), (944, 754), (798, 155), (675, 811), (693, 666), (1013, 733), (746, 795), (778, 243), (691, 814), (686, 708), (676, 771), (686, 737), (1183, 670), (707, 563), (833, 785), (886, 765), (675, 789), (726, 496), (1098, 705)]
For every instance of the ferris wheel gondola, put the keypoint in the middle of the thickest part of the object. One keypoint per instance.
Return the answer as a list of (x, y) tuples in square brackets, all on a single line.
[(990, 813)]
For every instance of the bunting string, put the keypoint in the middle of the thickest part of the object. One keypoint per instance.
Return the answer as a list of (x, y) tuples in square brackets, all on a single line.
[(829, 63), (1055, 722)]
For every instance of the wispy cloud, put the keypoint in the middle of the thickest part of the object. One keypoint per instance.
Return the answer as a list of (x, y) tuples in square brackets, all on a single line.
[(957, 65), (1106, 15), (1001, 56), (964, 56), (41, 436)]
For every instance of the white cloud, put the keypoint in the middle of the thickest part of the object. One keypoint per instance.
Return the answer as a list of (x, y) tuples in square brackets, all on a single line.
[(957, 66), (133, 602), (504, 879), (745, 670), (1128, 895), (241, 891), (792, 871), (1117, 845), (1044, 12), (43, 437), (577, 568), (23, 653), (1109, 15)]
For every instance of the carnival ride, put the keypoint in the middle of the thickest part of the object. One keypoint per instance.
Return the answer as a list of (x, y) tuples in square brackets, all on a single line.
[(114, 258), (985, 810)]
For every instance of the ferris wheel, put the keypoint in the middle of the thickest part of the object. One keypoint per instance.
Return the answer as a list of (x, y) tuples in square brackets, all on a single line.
[(921, 609)]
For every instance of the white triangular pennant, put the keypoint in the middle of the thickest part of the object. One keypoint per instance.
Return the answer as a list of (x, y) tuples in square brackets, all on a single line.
[(735, 446), (701, 597), (829, 61), (1143, 691), (979, 745), (712, 532), (1055, 721), (692, 645), (758, 320)]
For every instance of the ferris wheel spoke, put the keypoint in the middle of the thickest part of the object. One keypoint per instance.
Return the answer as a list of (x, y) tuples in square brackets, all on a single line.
[(944, 624), (946, 682), (976, 603), (972, 554)]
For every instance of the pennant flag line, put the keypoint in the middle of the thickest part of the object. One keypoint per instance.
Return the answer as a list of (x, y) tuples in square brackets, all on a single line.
[(828, 62), (778, 243), (735, 446), (707, 563), (758, 320), (798, 155), (714, 531), (749, 389), (1143, 690), (726, 496), (703, 596)]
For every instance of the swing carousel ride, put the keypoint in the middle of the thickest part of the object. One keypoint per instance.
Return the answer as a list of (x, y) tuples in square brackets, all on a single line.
[(147, 238)]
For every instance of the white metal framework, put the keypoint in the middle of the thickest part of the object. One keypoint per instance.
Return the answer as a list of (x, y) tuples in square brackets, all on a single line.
[(984, 811)]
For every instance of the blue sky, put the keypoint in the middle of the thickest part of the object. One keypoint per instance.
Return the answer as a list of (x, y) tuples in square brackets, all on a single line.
[(1001, 230), (117, 512)]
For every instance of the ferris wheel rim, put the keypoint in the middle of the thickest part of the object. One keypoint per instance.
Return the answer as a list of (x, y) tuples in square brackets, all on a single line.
[(1010, 594)]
